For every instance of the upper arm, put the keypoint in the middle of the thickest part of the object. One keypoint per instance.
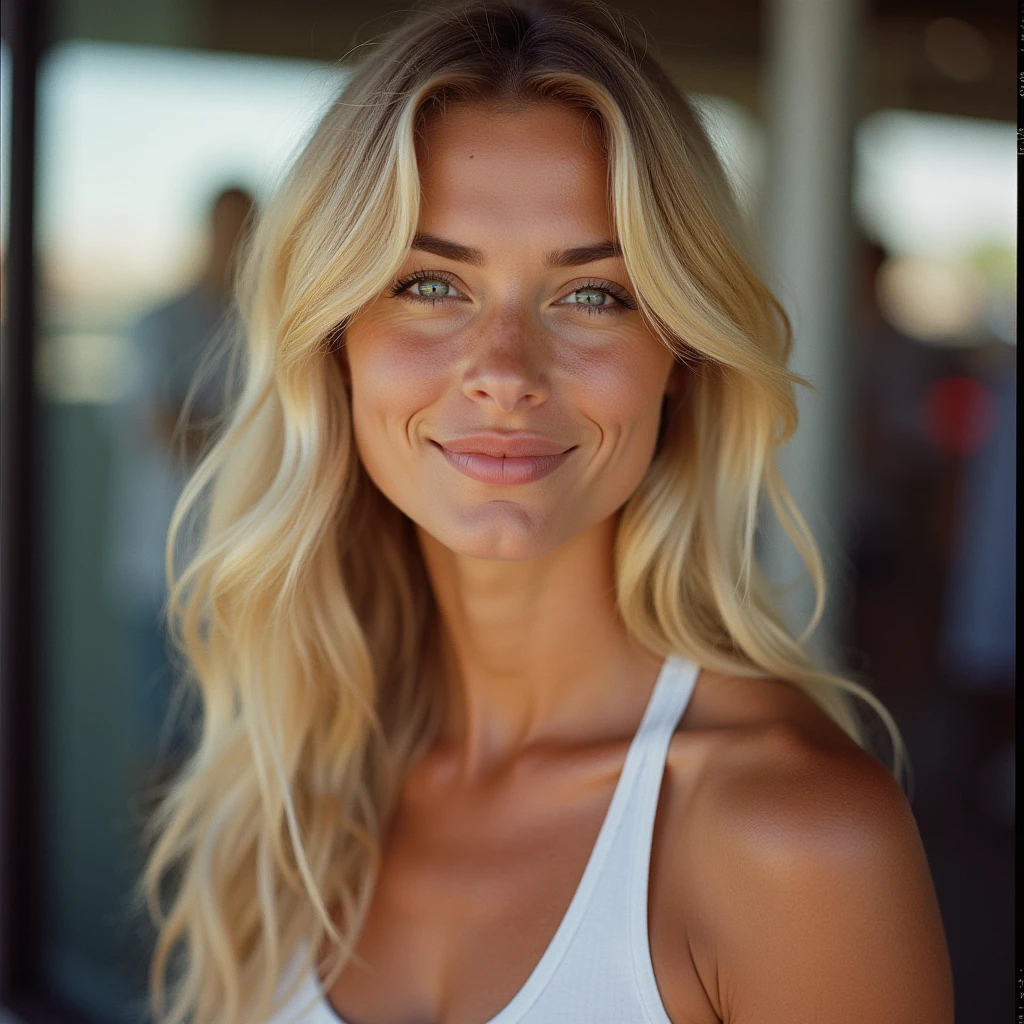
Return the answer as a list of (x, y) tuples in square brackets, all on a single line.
[(821, 899)]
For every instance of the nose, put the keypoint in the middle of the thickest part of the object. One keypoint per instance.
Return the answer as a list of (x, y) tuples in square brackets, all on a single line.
[(509, 364)]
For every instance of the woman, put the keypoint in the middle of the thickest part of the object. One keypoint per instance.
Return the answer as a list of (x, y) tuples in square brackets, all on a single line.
[(499, 721)]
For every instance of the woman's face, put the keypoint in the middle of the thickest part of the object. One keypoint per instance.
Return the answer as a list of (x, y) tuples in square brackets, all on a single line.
[(506, 392)]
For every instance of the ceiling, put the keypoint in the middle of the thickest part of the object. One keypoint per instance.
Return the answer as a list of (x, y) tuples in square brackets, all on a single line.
[(950, 57)]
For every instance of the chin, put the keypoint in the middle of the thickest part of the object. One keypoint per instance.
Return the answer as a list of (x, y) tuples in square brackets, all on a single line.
[(498, 532)]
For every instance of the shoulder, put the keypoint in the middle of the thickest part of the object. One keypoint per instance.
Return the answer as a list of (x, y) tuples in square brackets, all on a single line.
[(776, 761), (806, 873), (736, 707), (782, 797)]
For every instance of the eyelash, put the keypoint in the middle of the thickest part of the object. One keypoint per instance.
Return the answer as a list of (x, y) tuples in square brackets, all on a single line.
[(622, 297)]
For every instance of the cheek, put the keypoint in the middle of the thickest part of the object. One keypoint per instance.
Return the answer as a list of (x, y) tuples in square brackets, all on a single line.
[(621, 387), (392, 379)]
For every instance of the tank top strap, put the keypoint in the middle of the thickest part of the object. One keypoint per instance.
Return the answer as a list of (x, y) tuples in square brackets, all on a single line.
[(667, 703), (672, 702), (597, 966)]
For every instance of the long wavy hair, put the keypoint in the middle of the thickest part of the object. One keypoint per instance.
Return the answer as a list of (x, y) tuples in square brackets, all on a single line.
[(299, 605)]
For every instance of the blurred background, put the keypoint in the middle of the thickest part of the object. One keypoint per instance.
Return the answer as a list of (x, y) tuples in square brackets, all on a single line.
[(871, 145)]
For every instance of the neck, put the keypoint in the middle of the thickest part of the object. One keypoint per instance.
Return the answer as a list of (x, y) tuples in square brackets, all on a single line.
[(534, 651)]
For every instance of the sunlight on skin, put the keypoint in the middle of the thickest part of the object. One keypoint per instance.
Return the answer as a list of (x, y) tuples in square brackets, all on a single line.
[(506, 343), (507, 348)]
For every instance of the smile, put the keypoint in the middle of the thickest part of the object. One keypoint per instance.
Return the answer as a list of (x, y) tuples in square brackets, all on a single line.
[(500, 469)]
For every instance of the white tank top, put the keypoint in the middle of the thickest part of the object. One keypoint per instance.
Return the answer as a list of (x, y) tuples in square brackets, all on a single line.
[(597, 968)]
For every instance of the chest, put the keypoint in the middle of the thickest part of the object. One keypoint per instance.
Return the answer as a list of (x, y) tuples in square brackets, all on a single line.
[(471, 894)]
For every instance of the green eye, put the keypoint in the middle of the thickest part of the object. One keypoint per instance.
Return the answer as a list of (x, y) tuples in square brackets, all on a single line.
[(432, 289), (599, 297), (590, 296), (430, 286)]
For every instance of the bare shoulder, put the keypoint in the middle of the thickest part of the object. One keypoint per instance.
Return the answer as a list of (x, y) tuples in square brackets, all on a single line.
[(808, 892), (774, 756), (737, 707)]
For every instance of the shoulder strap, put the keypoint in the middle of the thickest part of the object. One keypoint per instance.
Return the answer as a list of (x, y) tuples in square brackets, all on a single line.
[(676, 696), (672, 703)]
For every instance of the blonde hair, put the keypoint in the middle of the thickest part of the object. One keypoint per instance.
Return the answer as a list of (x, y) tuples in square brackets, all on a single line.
[(302, 611)]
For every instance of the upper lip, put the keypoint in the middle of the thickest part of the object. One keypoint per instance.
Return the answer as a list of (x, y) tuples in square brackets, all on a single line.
[(514, 445)]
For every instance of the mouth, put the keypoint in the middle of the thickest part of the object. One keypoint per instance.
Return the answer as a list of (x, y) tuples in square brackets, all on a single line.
[(503, 469), (518, 444)]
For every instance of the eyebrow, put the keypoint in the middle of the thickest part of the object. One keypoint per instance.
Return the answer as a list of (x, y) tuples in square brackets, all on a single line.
[(572, 257)]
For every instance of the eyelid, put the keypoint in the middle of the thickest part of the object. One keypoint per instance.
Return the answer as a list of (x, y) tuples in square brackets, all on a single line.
[(407, 280)]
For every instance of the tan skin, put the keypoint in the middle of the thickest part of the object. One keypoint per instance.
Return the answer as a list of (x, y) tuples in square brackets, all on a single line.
[(787, 881)]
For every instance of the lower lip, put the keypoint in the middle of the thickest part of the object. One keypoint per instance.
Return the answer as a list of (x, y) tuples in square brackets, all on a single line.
[(492, 469)]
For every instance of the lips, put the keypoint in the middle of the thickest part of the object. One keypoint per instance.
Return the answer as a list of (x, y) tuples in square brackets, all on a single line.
[(494, 459), (517, 445)]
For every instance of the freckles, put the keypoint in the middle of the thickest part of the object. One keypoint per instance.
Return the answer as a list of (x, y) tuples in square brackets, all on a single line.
[(616, 382)]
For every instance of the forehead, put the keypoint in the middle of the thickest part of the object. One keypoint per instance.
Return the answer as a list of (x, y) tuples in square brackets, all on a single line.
[(486, 167)]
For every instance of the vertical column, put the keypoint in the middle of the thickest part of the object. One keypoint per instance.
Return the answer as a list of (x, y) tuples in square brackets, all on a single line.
[(23, 24), (813, 57)]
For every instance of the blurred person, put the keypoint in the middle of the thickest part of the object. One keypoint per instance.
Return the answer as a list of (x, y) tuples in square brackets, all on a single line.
[(979, 621), (156, 443), (501, 721), (935, 525)]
